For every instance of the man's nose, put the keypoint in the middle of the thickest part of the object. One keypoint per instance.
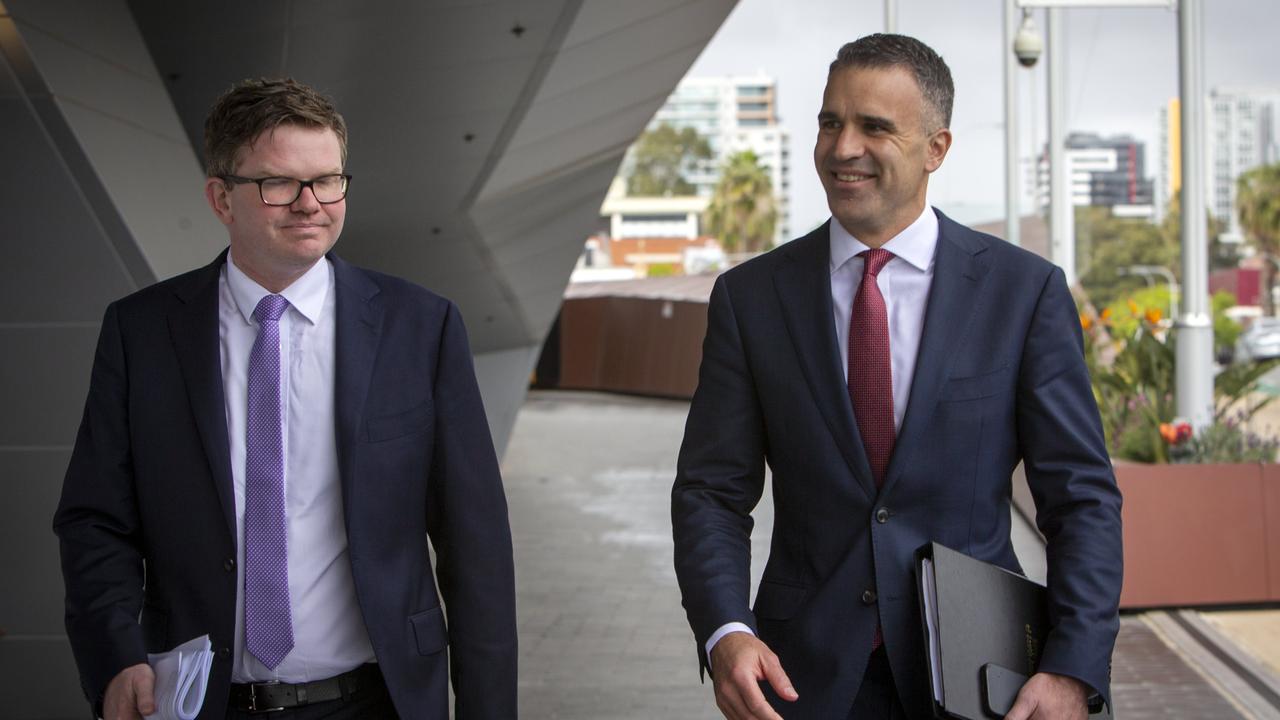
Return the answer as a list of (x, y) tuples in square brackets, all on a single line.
[(306, 201), (851, 143)]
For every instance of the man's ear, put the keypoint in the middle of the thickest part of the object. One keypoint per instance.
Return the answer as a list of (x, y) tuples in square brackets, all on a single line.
[(215, 192), (936, 151)]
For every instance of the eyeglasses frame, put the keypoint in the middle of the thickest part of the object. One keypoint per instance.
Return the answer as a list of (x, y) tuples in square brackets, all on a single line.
[(302, 185)]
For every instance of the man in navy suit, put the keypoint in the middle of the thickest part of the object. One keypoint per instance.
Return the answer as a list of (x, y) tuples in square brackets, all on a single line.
[(268, 443), (892, 368)]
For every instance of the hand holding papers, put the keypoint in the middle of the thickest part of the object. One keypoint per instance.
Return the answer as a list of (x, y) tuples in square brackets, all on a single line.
[(182, 674)]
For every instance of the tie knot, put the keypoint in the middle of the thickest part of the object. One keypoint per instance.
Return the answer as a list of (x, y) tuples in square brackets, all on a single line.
[(270, 308), (875, 260)]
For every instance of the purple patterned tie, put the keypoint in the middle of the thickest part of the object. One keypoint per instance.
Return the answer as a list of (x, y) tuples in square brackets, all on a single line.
[(268, 621)]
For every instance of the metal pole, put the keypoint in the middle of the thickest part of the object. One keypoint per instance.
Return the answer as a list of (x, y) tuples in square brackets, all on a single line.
[(1012, 213), (1194, 352), (890, 16), (1061, 242)]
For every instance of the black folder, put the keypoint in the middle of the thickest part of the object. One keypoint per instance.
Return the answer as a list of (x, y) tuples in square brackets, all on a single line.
[(984, 630)]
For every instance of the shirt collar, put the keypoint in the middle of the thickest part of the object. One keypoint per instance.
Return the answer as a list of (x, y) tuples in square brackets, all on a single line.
[(915, 244), (306, 295)]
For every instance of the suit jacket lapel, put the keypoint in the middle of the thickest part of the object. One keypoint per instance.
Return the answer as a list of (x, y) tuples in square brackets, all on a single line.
[(358, 324), (803, 284), (193, 328), (959, 272)]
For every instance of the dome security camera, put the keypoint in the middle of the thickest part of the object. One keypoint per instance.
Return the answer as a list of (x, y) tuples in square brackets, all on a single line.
[(1027, 44)]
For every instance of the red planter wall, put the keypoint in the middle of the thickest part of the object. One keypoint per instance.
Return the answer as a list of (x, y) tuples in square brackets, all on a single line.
[(1200, 534)]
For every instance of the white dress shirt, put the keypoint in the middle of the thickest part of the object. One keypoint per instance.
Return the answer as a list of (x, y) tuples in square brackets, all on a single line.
[(904, 282), (329, 634)]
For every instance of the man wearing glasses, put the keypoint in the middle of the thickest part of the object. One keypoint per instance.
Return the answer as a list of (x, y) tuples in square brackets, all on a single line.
[(267, 445)]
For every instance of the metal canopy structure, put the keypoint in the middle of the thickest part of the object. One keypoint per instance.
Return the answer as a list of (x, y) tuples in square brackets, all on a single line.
[(484, 134)]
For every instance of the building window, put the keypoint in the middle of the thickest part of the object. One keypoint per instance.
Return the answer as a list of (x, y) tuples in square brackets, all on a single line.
[(662, 218)]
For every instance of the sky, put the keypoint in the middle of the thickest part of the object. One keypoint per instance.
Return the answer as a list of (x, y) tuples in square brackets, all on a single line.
[(1122, 67)]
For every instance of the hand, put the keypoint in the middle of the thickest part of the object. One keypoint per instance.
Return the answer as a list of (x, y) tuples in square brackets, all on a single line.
[(130, 694), (740, 661), (1047, 696)]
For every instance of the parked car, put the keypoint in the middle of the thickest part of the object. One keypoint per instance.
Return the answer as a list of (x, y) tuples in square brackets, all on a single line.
[(1260, 342)]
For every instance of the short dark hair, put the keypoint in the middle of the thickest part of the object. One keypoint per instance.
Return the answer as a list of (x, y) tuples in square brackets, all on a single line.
[(884, 50), (252, 107)]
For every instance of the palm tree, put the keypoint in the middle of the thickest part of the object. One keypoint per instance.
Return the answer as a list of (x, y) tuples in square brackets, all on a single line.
[(742, 213), (1258, 201)]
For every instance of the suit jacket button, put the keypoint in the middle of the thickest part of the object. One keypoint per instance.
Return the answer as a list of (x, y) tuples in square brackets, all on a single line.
[(882, 515), (868, 597), (224, 653), (229, 564)]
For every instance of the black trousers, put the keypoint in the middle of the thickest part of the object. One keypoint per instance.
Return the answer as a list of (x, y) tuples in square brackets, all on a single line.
[(877, 697)]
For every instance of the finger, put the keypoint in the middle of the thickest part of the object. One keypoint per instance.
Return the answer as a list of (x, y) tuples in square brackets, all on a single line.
[(755, 705), (144, 688), (1022, 707), (779, 680)]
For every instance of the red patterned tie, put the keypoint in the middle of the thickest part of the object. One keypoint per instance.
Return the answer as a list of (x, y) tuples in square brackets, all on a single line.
[(870, 373)]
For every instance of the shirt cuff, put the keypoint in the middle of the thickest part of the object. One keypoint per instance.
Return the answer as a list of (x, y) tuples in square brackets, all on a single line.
[(723, 630)]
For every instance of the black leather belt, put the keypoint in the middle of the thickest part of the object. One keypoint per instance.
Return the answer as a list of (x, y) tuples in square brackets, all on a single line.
[(265, 697)]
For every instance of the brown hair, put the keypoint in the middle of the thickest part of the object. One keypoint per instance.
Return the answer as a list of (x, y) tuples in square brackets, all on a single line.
[(252, 107), (884, 50)]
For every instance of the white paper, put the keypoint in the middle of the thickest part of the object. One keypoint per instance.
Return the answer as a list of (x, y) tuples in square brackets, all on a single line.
[(931, 627), (182, 675)]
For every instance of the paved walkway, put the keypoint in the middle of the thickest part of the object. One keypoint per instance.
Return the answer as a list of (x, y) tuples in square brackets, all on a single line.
[(602, 632)]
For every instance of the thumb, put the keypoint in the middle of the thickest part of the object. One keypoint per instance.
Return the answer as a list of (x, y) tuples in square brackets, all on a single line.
[(1022, 707), (144, 691), (778, 679)]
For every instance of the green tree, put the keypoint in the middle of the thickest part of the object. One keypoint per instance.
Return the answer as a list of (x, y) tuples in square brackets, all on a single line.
[(1105, 245), (1258, 200), (742, 213), (663, 158)]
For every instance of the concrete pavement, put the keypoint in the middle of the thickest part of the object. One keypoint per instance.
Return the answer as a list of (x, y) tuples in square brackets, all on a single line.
[(603, 635)]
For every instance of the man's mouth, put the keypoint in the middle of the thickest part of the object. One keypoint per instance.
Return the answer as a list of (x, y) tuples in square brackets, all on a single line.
[(851, 177)]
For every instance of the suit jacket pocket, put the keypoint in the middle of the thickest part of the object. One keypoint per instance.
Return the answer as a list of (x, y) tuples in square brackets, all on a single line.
[(429, 631), (777, 601), (390, 427), (975, 387)]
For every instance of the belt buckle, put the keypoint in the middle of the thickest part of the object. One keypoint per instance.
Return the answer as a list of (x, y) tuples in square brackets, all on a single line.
[(253, 697)]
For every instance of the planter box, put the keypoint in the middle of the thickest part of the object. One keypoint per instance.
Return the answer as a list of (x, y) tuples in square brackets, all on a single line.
[(1200, 534)]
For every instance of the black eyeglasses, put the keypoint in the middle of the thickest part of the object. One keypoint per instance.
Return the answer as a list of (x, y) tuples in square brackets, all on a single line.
[(328, 189)]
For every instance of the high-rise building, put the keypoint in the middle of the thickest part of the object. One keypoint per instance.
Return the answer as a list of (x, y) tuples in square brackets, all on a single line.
[(1169, 163), (1105, 172), (734, 114), (1241, 134)]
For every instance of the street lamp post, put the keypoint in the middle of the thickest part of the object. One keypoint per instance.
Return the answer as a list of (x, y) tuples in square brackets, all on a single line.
[(1195, 326), (1194, 351)]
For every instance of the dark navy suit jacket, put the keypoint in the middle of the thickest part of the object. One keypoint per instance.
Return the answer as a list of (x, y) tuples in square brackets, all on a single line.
[(1000, 377), (149, 484)]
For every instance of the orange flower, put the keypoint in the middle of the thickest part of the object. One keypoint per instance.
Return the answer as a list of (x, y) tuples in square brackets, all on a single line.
[(1133, 308), (1106, 314), (1169, 433), (1085, 322), (1153, 316)]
